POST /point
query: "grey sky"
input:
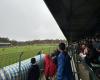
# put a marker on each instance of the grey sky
(27, 20)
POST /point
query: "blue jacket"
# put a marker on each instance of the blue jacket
(64, 71)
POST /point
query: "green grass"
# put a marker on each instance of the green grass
(11, 55)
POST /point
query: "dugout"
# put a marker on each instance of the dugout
(3, 45)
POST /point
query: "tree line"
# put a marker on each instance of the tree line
(14, 42)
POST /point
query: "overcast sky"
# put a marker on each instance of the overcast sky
(27, 20)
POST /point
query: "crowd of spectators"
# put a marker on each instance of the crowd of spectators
(58, 63)
(89, 52)
(56, 66)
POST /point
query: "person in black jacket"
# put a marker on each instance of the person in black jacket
(34, 71)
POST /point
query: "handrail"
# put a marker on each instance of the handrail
(76, 61)
(11, 72)
(91, 72)
(75, 73)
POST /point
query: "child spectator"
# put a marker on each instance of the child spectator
(34, 71)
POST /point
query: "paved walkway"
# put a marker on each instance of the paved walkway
(84, 74)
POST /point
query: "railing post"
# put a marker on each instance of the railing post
(39, 53)
(40, 65)
(20, 56)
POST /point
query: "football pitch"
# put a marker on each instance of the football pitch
(11, 55)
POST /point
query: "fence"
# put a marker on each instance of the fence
(16, 68)
(19, 71)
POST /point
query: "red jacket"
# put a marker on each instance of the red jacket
(49, 67)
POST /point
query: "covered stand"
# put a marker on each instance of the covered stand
(76, 18)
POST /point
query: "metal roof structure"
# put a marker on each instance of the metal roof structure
(76, 18)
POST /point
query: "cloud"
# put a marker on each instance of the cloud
(27, 20)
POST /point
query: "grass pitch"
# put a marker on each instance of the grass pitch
(10, 55)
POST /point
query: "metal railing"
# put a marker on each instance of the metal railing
(19, 71)
(77, 62)
(15, 65)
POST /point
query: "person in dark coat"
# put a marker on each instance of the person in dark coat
(64, 71)
(34, 71)
(55, 56)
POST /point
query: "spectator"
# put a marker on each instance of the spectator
(96, 45)
(64, 71)
(55, 56)
(34, 71)
(90, 54)
(49, 68)
(83, 51)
